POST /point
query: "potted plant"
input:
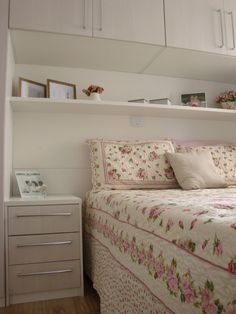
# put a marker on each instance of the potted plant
(95, 91)
(227, 100)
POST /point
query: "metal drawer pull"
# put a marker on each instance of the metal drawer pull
(221, 28)
(42, 215)
(43, 244)
(232, 25)
(52, 272)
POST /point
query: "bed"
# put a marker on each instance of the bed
(151, 247)
(162, 251)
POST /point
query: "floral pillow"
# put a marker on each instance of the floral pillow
(224, 157)
(131, 165)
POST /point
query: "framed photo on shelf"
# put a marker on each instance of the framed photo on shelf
(28, 88)
(194, 100)
(61, 90)
(30, 184)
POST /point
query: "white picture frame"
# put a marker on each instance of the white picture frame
(30, 184)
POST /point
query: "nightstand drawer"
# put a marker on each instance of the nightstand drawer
(43, 219)
(43, 248)
(44, 277)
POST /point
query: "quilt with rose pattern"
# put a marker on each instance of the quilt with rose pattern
(181, 245)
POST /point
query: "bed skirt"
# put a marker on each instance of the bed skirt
(119, 290)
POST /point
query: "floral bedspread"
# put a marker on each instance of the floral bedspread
(180, 244)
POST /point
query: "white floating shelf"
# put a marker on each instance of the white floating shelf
(46, 105)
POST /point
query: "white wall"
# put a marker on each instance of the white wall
(123, 86)
(55, 145)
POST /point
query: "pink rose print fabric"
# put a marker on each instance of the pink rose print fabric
(180, 245)
(131, 165)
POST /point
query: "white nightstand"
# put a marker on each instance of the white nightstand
(44, 257)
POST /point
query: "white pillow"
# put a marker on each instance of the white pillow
(195, 170)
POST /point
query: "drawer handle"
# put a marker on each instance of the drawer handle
(52, 272)
(42, 215)
(43, 244)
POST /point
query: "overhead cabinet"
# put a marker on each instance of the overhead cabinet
(60, 16)
(205, 25)
(131, 20)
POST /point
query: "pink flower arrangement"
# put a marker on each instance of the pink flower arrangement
(93, 89)
(225, 97)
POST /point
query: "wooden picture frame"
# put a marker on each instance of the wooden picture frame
(60, 90)
(29, 88)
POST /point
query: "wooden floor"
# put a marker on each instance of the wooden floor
(89, 304)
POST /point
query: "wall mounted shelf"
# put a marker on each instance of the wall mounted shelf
(45, 105)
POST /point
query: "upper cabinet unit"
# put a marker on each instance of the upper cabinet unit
(206, 25)
(130, 20)
(196, 24)
(59, 16)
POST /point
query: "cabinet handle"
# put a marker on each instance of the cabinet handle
(84, 14)
(52, 272)
(221, 28)
(101, 15)
(43, 244)
(232, 25)
(42, 215)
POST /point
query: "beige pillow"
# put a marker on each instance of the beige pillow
(224, 157)
(195, 170)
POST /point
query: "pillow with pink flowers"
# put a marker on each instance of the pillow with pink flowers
(131, 164)
(224, 157)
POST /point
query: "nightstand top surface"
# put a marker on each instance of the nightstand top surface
(49, 199)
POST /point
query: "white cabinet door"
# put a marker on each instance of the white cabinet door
(131, 20)
(195, 24)
(230, 26)
(60, 16)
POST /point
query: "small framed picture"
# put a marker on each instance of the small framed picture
(30, 184)
(61, 90)
(194, 100)
(28, 88)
